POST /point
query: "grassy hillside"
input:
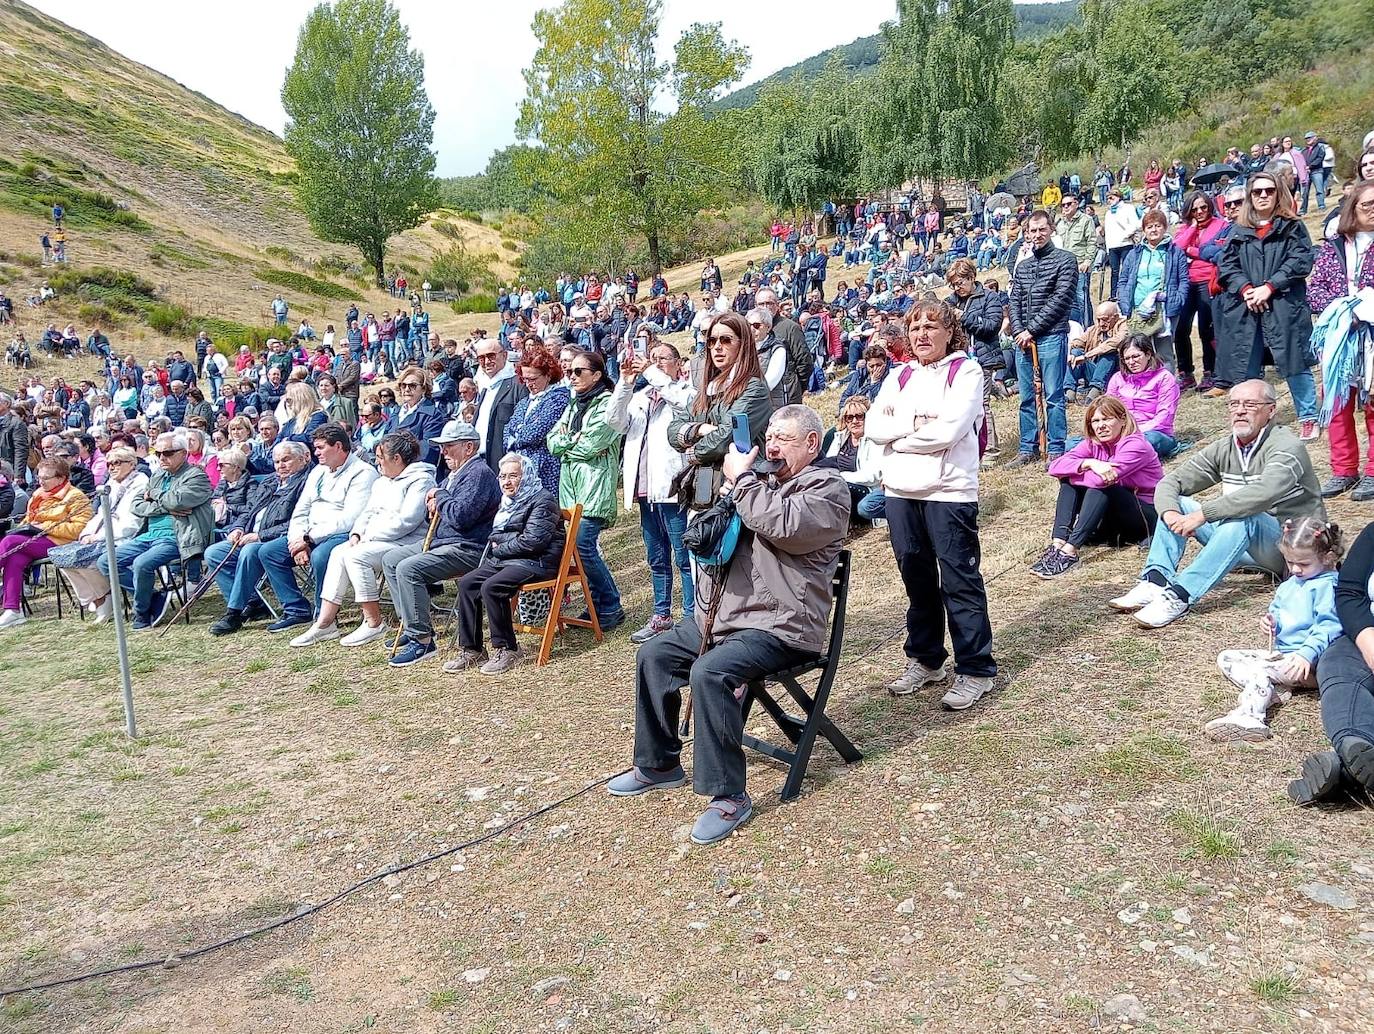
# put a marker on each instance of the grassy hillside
(162, 183)
(863, 54)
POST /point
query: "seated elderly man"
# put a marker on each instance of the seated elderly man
(466, 501)
(335, 493)
(773, 614)
(1094, 354)
(178, 522)
(267, 518)
(1266, 477)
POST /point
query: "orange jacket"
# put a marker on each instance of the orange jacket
(60, 514)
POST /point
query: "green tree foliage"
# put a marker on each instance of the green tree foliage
(1137, 77)
(932, 109)
(360, 126)
(615, 160)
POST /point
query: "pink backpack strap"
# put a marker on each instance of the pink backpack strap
(953, 370)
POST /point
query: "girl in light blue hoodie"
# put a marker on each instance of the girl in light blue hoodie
(1301, 623)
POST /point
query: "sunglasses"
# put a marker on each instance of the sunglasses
(1263, 191)
(756, 326)
(167, 452)
(578, 371)
(1199, 208)
(409, 386)
(723, 339)
(851, 417)
(1230, 204)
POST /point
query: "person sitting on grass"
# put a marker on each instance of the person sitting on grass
(855, 456)
(1106, 488)
(526, 545)
(1265, 475)
(394, 516)
(1300, 624)
(1149, 391)
(1345, 679)
(866, 380)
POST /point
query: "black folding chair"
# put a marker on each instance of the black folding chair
(802, 732)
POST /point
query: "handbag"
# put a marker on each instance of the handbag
(533, 607)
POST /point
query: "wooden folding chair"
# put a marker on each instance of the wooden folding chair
(569, 572)
(802, 731)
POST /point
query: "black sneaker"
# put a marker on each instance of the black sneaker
(256, 611)
(1023, 459)
(230, 623)
(1338, 483)
(1364, 491)
(1056, 565)
(1038, 568)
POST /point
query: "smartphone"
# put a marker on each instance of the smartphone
(739, 429)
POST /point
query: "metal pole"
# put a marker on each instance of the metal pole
(117, 610)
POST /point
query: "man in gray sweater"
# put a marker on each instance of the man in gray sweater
(1266, 478)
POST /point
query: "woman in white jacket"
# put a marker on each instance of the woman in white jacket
(1120, 231)
(926, 418)
(396, 514)
(76, 560)
(650, 466)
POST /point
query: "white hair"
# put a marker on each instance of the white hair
(806, 419)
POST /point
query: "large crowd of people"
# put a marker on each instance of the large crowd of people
(384, 461)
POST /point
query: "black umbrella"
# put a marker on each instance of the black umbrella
(1211, 174)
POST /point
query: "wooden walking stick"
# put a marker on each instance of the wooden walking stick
(200, 589)
(1038, 384)
(395, 644)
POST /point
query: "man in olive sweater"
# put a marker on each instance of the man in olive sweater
(1266, 477)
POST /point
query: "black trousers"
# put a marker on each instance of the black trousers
(938, 556)
(1197, 302)
(1347, 692)
(668, 662)
(491, 587)
(1113, 515)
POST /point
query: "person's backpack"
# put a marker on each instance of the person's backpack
(905, 375)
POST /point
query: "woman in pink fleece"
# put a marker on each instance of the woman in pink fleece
(1106, 488)
(1148, 391)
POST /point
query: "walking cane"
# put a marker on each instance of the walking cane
(395, 644)
(201, 588)
(1039, 385)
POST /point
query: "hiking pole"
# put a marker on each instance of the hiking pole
(395, 644)
(1038, 384)
(200, 589)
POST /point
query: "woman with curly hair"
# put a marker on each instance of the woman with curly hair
(537, 414)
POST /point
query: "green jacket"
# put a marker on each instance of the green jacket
(1275, 478)
(187, 489)
(1078, 237)
(590, 471)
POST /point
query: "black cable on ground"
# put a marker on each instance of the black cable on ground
(309, 910)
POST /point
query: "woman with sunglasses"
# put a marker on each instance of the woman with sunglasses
(856, 458)
(1344, 267)
(588, 446)
(731, 383)
(1263, 301)
(418, 413)
(1200, 228)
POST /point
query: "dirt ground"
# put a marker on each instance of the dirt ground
(1020, 867)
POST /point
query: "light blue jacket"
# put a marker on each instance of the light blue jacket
(1304, 613)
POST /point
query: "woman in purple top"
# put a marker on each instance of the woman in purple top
(1106, 488)
(1148, 391)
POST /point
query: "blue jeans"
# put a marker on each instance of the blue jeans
(1164, 445)
(138, 562)
(1053, 349)
(1243, 542)
(1082, 310)
(1302, 385)
(873, 506)
(1316, 181)
(662, 525)
(1099, 370)
(281, 572)
(605, 595)
(238, 579)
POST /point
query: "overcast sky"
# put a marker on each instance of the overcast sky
(237, 52)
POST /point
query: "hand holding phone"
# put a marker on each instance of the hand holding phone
(739, 432)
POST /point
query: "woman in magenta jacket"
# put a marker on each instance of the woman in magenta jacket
(1148, 391)
(1106, 488)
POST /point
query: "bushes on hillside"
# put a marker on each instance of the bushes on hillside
(305, 284)
(475, 303)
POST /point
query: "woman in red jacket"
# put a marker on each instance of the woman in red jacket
(1199, 228)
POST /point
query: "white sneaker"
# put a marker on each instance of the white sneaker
(364, 634)
(880, 522)
(104, 611)
(915, 676)
(11, 618)
(1143, 594)
(1165, 610)
(966, 691)
(315, 634)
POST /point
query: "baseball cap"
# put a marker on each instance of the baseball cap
(457, 431)
(1309, 135)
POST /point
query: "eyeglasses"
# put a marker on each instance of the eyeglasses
(1366, 206)
(1263, 191)
(723, 339)
(482, 357)
(1248, 405)
(167, 452)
